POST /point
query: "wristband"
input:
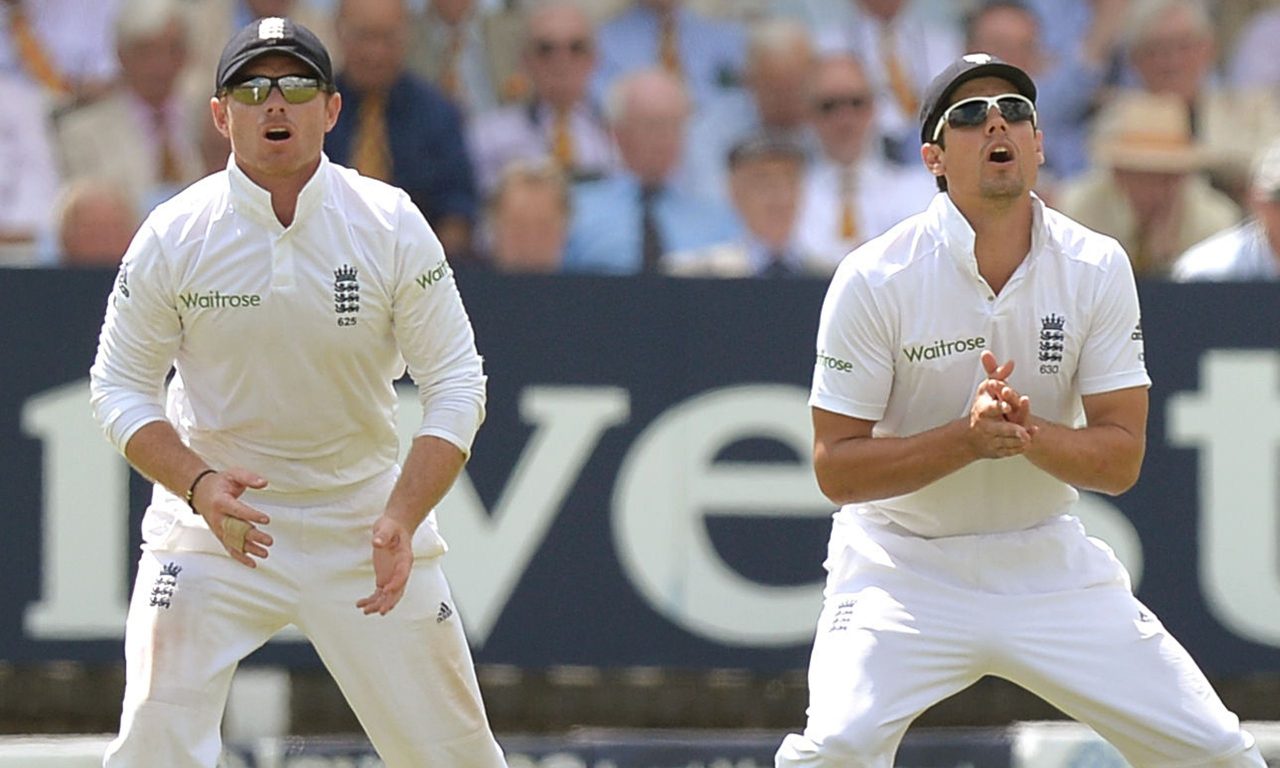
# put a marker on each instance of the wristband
(191, 492)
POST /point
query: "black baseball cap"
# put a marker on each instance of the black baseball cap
(273, 35)
(959, 72)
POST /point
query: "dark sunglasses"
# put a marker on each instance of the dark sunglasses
(1014, 108)
(577, 47)
(830, 104)
(294, 88)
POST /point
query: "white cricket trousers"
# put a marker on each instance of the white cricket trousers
(908, 621)
(408, 676)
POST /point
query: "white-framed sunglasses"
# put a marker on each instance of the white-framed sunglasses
(1014, 108)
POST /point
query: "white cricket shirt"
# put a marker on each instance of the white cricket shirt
(286, 341)
(907, 316)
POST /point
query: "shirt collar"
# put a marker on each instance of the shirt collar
(957, 237)
(255, 202)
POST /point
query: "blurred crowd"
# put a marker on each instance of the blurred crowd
(727, 138)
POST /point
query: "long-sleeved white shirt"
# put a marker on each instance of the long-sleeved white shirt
(286, 341)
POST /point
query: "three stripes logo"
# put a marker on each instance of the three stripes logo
(444, 613)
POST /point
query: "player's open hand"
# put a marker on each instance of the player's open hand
(217, 499)
(392, 562)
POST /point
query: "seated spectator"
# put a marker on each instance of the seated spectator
(398, 128)
(1250, 251)
(766, 182)
(558, 119)
(1172, 49)
(1148, 191)
(528, 218)
(705, 54)
(96, 221)
(779, 63)
(903, 46)
(140, 135)
(852, 193)
(67, 48)
(28, 171)
(454, 46)
(625, 223)
(1068, 88)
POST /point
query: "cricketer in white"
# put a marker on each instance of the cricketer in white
(954, 555)
(288, 293)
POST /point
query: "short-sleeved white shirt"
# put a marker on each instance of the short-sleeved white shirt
(906, 318)
(286, 341)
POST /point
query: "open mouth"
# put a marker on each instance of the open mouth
(278, 134)
(1000, 155)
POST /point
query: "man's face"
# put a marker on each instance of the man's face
(373, 36)
(1010, 34)
(560, 54)
(151, 64)
(994, 160)
(276, 139)
(650, 135)
(529, 229)
(1150, 193)
(766, 192)
(841, 108)
(1174, 56)
(777, 80)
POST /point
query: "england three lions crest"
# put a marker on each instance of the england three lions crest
(346, 294)
(1052, 342)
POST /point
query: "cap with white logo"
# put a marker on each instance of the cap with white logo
(959, 72)
(273, 35)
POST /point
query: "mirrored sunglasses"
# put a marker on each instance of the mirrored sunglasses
(1014, 108)
(294, 88)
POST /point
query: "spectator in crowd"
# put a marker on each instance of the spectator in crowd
(852, 193)
(903, 47)
(625, 223)
(141, 134)
(1172, 49)
(453, 46)
(528, 217)
(28, 171)
(398, 128)
(65, 47)
(96, 220)
(766, 183)
(1148, 191)
(218, 20)
(1251, 250)
(558, 120)
(705, 54)
(780, 60)
(1069, 86)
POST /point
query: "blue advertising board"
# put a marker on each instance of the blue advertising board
(640, 493)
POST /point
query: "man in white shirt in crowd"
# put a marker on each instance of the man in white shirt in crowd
(1250, 250)
(852, 193)
(289, 294)
(955, 555)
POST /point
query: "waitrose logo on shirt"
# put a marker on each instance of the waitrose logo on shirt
(219, 300)
(943, 348)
